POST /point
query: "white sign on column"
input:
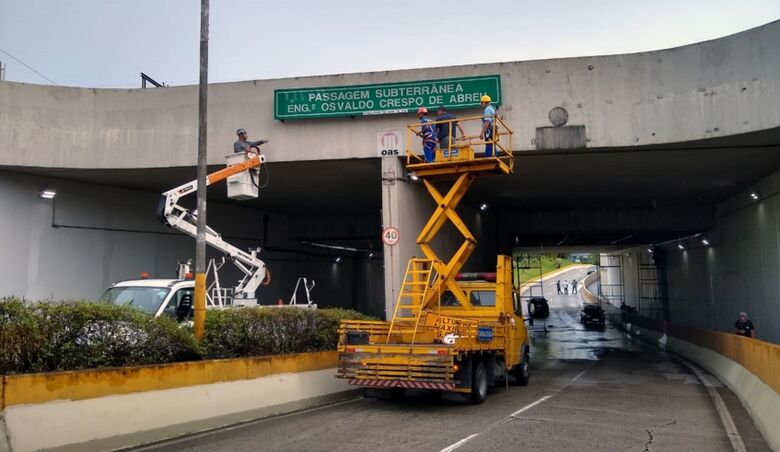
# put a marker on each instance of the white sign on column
(389, 144)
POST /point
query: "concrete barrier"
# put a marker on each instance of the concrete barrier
(748, 367)
(114, 408)
(585, 293)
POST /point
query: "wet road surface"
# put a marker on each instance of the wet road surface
(591, 389)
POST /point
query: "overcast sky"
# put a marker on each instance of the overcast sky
(107, 43)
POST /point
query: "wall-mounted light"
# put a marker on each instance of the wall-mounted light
(413, 177)
(338, 259)
(705, 242)
(680, 245)
(650, 250)
(47, 194)
(370, 255)
(483, 206)
(754, 195)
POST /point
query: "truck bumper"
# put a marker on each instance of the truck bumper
(399, 370)
(372, 383)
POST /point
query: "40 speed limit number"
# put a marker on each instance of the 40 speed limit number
(390, 236)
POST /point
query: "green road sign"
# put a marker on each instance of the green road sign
(384, 98)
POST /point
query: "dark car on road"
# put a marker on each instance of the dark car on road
(592, 314)
(538, 307)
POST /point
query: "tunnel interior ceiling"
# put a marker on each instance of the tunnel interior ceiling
(691, 176)
(696, 173)
(305, 187)
(589, 242)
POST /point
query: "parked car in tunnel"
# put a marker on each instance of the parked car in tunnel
(538, 307)
(593, 314)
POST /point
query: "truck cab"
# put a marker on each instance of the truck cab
(158, 297)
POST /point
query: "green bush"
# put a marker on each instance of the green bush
(262, 331)
(45, 337)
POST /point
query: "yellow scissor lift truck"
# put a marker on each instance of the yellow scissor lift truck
(451, 331)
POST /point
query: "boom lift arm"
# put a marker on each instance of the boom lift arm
(170, 213)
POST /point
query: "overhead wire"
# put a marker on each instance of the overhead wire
(29, 67)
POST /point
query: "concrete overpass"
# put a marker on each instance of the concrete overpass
(658, 146)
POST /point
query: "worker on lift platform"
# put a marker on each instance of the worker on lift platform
(428, 135)
(242, 144)
(486, 134)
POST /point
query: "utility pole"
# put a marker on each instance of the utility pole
(200, 239)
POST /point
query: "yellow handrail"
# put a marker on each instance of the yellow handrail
(501, 140)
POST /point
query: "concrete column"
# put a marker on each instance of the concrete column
(405, 206)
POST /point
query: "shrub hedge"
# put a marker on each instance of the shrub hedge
(46, 337)
(232, 333)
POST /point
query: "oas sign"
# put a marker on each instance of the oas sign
(389, 144)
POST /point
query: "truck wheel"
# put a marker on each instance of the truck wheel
(479, 384)
(397, 393)
(523, 374)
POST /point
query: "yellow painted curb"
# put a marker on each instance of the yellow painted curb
(87, 384)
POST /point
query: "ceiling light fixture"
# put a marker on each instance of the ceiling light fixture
(47, 194)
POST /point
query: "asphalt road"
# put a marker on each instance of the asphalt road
(591, 389)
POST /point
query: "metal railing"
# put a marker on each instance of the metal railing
(461, 147)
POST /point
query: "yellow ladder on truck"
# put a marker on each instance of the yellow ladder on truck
(410, 303)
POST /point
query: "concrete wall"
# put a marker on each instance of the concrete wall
(119, 408)
(740, 271)
(715, 88)
(707, 286)
(108, 234)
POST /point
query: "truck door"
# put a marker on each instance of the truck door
(182, 297)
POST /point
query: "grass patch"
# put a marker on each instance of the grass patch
(527, 268)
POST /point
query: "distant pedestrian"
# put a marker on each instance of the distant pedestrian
(428, 135)
(243, 145)
(488, 115)
(573, 286)
(744, 327)
(444, 130)
(566, 288)
(558, 284)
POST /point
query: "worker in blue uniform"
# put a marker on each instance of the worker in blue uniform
(488, 126)
(428, 135)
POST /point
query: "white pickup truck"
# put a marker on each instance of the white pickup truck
(170, 297)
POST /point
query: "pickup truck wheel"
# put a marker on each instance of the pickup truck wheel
(479, 384)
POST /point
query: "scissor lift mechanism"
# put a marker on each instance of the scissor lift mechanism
(457, 162)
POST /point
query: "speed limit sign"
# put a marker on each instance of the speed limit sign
(390, 236)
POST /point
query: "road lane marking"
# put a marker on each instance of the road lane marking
(459, 443)
(720, 407)
(579, 375)
(529, 406)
